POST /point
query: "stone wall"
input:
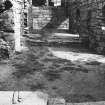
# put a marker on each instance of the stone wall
(86, 18)
(42, 18)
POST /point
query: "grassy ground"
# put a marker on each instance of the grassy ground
(39, 69)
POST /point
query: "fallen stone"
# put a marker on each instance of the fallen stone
(56, 101)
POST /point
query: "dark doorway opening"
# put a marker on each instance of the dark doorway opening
(103, 13)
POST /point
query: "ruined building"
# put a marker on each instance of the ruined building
(83, 17)
(87, 17)
(45, 17)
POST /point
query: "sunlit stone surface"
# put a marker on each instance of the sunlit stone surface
(27, 98)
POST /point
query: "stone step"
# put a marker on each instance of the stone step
(88, 103)
(53, 36)
(53, 39)
(52, 43)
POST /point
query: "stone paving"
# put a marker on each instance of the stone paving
(36, 98)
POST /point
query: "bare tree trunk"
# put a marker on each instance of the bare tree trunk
(17, 11)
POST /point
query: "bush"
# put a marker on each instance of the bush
(4, 50)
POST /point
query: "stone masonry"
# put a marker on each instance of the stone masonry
(87, 19)
(42, 18)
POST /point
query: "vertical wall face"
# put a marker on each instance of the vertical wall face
(47, 17)
(86, 17)
(91, 22)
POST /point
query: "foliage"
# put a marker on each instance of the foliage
(4, 49)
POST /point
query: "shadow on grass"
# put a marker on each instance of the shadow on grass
(52, 75)
(80, 98)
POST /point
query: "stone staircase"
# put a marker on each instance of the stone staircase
(54, 38)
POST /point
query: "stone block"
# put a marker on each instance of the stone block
(56, 101)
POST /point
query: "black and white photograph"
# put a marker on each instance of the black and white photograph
(52, 52)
